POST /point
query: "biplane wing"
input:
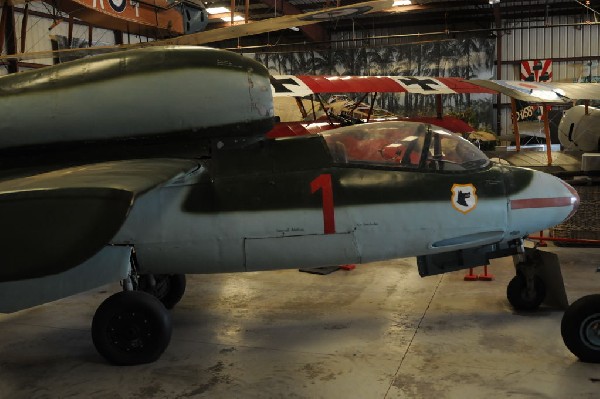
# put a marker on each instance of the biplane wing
(231, 32)
(304, 85)
(537, 92)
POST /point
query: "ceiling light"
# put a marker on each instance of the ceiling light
(235, 18)
(217, 10)
(402, 3)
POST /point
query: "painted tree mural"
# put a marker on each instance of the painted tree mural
(466, 58)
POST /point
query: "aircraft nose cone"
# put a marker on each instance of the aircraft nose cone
(574, 199)
(539, 202)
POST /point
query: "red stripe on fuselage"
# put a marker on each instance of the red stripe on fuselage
(540, 203)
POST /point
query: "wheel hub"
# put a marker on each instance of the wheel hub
(129, 331)
(590, 331)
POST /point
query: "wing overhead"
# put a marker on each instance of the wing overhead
(56, 220)
(303, 85)
(230, 32)
(275, 24)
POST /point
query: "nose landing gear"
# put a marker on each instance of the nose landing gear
(538, 279)
(526, 293)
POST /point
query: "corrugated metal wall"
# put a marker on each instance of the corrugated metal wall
(573, 47)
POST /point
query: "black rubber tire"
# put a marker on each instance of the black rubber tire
(516, 293)
(580, 328)
(168, 288)
(131, 327)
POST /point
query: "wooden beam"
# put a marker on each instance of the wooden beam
(8, 34)
(70, 32)
(24, 26)
(438, 106)
(2, 28)
(372, 105)
(118, 36)
(498, 25)
(315, 32)
(545, 112)
(515, 119)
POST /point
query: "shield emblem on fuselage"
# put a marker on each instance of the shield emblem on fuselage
(464, 197)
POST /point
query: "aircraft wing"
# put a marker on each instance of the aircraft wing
(230, 32)
(275, 24)
(303, 85)
(538, 92)
(55, 220)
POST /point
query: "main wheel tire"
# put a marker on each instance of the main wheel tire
(580, 328)
(168, 288)
(519, 297)
(131, 327)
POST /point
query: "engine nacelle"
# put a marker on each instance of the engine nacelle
(156, 93)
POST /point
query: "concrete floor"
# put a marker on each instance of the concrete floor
(379, 331)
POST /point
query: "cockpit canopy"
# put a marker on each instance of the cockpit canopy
(409, 145)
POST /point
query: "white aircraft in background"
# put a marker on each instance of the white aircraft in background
(579, 129)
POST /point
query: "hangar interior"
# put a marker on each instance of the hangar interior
(346, 318)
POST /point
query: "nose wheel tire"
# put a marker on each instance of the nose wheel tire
(168, 288)
(580, 328)
(521, 297)
(131, 327)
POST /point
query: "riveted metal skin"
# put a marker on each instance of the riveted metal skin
(285, 203)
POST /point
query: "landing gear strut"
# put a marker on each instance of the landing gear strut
(580, 328)
(538, 280)
(168, 288)
(526, 292)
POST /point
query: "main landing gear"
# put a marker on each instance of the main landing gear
(134, 326)
(131, 327)
(580, 328)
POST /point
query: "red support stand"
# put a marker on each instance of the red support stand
(471, 276)
(485, 276)
(542, 243)
(348, 267)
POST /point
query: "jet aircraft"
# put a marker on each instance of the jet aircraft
(127, 188)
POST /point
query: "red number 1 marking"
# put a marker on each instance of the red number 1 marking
(323, 183)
